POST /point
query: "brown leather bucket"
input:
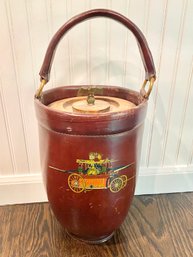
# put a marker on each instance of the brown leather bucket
(90, 161)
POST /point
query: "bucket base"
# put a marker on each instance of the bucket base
(99, 241)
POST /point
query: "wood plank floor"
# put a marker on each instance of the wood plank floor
(160, 225)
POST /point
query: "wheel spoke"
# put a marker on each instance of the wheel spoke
(76, 183)
(116, 185)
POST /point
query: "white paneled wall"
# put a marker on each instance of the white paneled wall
(100, 51)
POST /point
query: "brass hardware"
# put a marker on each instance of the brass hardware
(90, 92)
(90, 99)
(151, 82)
(39, 91)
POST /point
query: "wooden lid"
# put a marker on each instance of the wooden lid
(102, 104)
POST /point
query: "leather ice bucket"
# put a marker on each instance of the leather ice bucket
(90, 158)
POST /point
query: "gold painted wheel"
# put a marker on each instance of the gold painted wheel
(116, 185)
(76, 183)
(124, 178)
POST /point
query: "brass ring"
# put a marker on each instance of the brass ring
(151, 82)
(39, 91)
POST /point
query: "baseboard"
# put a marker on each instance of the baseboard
(29, 188)
(165, 180)
(20, 189)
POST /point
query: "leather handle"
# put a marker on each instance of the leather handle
(142, 43)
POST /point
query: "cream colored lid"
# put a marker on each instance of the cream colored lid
(102, 104)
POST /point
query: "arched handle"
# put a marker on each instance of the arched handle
(145, 52)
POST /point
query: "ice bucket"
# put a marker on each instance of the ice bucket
(90, 141)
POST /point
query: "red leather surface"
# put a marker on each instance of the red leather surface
(93, 213)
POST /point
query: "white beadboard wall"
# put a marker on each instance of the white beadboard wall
(100, 51)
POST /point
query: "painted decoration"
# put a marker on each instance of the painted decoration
(96, 173)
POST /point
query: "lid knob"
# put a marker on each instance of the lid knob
(90, 99)
(90, 92)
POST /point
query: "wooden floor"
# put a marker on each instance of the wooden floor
(159, 225)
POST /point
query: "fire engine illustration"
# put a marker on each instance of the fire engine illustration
(96, 173)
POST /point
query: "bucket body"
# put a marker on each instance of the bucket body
(90, 162)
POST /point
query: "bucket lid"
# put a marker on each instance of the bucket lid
(92, 105)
